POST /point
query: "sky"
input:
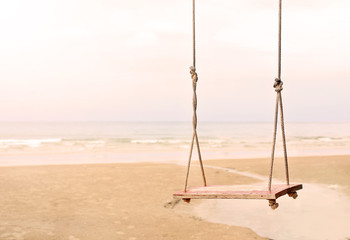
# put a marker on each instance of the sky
(113, 60)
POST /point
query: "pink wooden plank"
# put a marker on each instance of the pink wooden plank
(229, 192)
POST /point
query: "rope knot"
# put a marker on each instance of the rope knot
(194, 75)
(278, 85)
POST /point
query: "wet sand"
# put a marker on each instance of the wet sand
(320, 212)
(133, 201)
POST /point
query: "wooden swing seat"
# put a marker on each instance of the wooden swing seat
(237, 192)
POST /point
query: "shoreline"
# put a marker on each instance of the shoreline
(71, 160)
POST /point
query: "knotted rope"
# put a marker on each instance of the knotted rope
(278, 88)
(278, 85)
(194, 77)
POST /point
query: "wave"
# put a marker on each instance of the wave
(160, 143)
(144, 141)
(27, 142)
(178, 141)
(322, 138)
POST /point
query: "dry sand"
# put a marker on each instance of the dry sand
(129, 201)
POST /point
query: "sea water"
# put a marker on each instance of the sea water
(320, 212)
(103, 142)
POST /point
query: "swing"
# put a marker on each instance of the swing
(271, 192)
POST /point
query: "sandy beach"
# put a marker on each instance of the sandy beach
(104, 102)
(133, 201)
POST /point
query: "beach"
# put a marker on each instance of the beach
(134, 200)
(104, 103)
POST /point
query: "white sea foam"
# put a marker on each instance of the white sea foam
(144, 141)
(27, 142)
(160, 141)
(93, 144)
(98, 142)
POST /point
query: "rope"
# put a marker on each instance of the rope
(194, 77)
(279, 39)
(278, 88)
(194, 34)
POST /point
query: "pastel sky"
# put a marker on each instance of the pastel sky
(114, 60)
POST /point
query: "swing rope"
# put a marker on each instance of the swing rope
(194, 77)
(278, 88)
(279, 106)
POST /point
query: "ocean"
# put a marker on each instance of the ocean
(107, 142)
